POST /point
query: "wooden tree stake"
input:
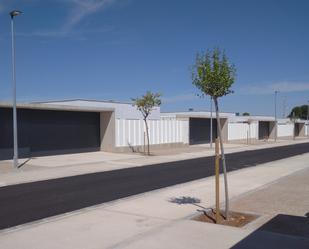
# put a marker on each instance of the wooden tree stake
(217, 171)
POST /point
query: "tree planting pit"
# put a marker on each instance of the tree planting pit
(235, 219)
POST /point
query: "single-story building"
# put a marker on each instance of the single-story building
(70, 126)
(52, 129)
(199, 125)
(252, 127)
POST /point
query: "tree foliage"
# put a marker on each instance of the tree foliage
(300, 112)
(145, 105)
(147, 102)
(246, 114)
(212, 73)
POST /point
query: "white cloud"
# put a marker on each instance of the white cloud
(284, 86)
(78, 10)
(83, 8)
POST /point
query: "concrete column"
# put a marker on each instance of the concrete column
(272, 129)
(224, 129)
(108, 131)
(302, 127)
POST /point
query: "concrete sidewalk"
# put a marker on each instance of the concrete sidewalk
(50, 167)
(155, 220)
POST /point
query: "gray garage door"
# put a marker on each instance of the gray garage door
(264, 129)
(43, 132)
(199, 131)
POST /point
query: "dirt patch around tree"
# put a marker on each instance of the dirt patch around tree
(235, 219)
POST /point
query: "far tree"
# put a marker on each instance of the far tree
(300, 112)
(145, 105)
(246, 114)
(214, 75)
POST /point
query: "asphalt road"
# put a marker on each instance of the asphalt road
(29, 202)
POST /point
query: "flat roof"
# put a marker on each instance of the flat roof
(54, 107)
(252, 118)
(196, 114)
(86, 100)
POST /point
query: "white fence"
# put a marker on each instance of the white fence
(241, 131)
(132, 132)
(171, 130)
(285, 130)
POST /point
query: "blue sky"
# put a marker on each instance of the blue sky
(118, 49)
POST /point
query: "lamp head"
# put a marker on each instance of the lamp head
(15, 13)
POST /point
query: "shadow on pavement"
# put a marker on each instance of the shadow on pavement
(283, 231)
(184, 200)
(24, 163)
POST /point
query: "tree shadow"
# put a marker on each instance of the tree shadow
(24, 163)
(184, 200)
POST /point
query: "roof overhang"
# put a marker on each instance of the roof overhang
(193, 115)
(53, 107)
(300, 121)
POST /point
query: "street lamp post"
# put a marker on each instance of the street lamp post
(276, 123)
(211, 138)
(308, 118)
(15, 140)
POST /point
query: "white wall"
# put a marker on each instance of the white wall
(130, 132)
(241, 131)
(286, 130)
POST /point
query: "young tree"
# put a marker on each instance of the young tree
(145, 105)
(214, 75)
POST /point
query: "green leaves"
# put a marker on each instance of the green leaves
(212, 73)
(300, 112)
(147, 102)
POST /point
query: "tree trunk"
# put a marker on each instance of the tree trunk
(147, 134)
(222, 158)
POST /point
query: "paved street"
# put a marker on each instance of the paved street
(58, 166)
(153, 220)
(33, 201)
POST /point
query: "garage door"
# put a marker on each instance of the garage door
(199, 130)
(264, 130)
(43, 132)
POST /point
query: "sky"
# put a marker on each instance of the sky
(119, 49)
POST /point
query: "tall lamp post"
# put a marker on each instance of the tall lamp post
(276, 123)
(15, 157)
(211, 138)
(308, 118)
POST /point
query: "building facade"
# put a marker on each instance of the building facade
(72, 126)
